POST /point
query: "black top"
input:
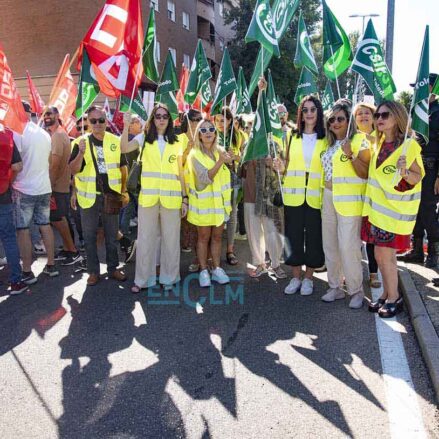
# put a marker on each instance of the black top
(5, 198)
(431, 148)
(98, 152)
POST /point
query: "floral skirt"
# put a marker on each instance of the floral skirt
(381, 238)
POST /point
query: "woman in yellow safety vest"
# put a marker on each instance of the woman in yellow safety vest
(392, 199)
(345, 164)
(363, 116)
(209, 198)
(302, 193)
(162, 199)
(232, 141)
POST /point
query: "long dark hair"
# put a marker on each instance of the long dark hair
(229, 116)
(150, 130)
(320, 123)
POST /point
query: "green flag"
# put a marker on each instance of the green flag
(327, 97)
(276, 127)
(421, 92)
(306, 86)
(283, 11)
(369, 62)
(435, 90)
(88, 88)
(337, 54)
(150, 50)
(242, 96)
(206, 94)
(168, 80)
(137, 106)
(257, 145)
(225, 84)
(200, 73)
(304, 54)
(262, 28)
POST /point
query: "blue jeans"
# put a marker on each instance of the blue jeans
(9, 241)
(126, 214)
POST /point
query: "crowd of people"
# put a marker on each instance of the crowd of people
(332, 182)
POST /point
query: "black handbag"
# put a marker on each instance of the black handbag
(135, 174)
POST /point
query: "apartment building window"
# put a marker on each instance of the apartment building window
(173, 54)
(154, 4)
(171, 10)
(186, 20)
(157, 51)
(187, 60)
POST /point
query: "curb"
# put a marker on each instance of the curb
(424, 329)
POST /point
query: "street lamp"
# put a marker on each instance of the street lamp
(363, 16)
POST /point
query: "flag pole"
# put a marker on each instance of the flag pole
(135, 80)
(336, 76)
(354, 102)
(224, 116)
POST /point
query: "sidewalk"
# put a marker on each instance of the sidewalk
(422, 300)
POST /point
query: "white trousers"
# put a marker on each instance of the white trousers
(262, 236)
(342, 246)
(158, 227)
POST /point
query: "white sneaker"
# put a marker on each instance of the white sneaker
(307, 287)
(356, 300)
(333, 294)
(3, 261)
(204, 278)
(220, 276)
(294, 286)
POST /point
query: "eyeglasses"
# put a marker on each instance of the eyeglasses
(95, 121)
(207, 130)
(198, 119)
(339, 119)
(306, 110)
(161, 116)
(282, 113)
(384, 115)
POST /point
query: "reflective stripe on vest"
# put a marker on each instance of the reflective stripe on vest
(347, 188)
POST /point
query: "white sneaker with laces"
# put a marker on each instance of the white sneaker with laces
(294, 286)
(333, 294)
(307, 287)
(220, 276)
(204, 278)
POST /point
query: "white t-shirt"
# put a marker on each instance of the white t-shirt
(140, 138)
(35, 147)
(309, 143)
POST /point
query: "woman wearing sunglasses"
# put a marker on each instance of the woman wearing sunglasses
(232, 141)
(302, 195)
(363, 116)
(392, 199)
(345, 165)
(209, 198)
(162, 200)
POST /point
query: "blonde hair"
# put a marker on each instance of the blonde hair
(341, 106)
(197, 141)
(357, 107)
(401, 118)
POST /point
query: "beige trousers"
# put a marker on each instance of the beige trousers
(262, 236)
(157, 226)
(342, 246)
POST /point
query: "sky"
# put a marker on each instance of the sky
(411, 17)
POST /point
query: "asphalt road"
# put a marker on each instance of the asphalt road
(239, 361)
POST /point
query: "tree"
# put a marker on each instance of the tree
(405, 98)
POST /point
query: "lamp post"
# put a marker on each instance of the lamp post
(363, 16)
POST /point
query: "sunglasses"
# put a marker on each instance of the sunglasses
(95, 121)
(79, 127)
(207, 130)
(384, 115)
(339, 119)
(161, 116)
(311, 110)
(197, 119)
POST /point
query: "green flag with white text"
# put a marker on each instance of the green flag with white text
(137, 106)
(369, 62)
(307, 85)
(421, 92)
(257, 145)
(327, 97)
(168, 80)
(304, 53)
(242, 96)
(199, 74)
(206, 94)
(225, 84)
(88, 87)
(276, 126)
(150, 50)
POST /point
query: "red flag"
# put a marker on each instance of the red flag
(184, 78)
(35, 100)
(12, 113)
(64, 92)
(114, 44)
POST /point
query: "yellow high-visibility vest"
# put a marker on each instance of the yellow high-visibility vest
(85, 181)
(160, 179)
(209, 206)
(295, 187)
(347, 188)
(386, 207)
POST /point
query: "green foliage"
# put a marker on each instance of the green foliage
(405, 98)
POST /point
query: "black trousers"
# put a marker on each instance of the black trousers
(427, 218)
(303, 236)
(372, 262)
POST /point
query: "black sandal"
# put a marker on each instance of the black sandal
(375, 306)
(389, 310)
(231, 258)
